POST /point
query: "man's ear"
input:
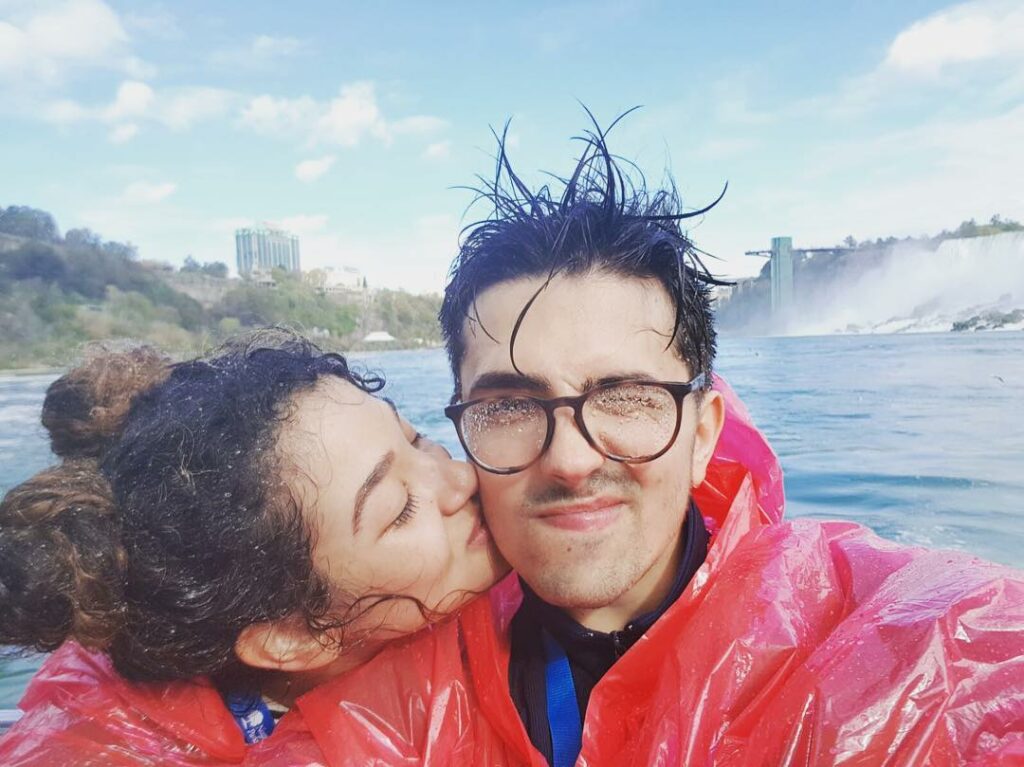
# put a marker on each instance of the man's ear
(710, 420)
(284, 645)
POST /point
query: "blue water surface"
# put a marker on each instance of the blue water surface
(920, 437)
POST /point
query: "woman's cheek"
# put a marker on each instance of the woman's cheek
(434, 553)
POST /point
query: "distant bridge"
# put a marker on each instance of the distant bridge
(781, 258)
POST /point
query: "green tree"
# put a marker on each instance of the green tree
(33, 260)
(123, 250)
(23, 221)
(84, 238)
(216, 269)
(210, 269)
(967, 229)
(291, 302)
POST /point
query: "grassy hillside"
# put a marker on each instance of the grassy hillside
(57, 293)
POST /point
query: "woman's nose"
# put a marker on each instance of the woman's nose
(458, 484)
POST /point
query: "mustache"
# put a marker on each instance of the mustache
(605, 482)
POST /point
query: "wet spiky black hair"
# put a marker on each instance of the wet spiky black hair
(605, 219)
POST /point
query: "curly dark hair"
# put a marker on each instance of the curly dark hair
(167, 529)
(605, 219)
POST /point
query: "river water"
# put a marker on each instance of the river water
(919, 436)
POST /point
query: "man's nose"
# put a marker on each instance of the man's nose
(457, 484)
(570, 458)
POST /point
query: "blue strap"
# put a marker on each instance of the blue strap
(563, 710)
(252, 716)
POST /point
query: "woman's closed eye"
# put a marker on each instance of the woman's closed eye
(406, 514)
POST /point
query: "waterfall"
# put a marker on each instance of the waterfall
(977, 282)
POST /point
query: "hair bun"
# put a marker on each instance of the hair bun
(61, 560)
(84, 409)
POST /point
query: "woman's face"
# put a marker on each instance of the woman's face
(394, 514)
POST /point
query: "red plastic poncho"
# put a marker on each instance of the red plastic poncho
(802, 643)
(79, 712)
(795, 644)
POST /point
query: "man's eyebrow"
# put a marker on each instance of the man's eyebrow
(519, 381)
(612, 378)
(372, 480)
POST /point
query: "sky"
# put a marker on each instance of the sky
(354, 125)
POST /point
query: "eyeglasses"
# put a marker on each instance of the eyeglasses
(626, 421)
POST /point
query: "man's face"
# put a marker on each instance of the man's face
(586, 532)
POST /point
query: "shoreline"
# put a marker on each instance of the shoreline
(868, 333)
(32, 371)
(55, 370)
(361, 350)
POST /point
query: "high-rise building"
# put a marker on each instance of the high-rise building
(263, 249)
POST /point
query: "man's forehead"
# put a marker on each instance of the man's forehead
(578, 330)
(573, 300)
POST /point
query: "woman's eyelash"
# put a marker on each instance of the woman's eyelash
(407, 512)
(412, 503)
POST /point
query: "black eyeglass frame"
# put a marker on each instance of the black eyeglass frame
(678, 390)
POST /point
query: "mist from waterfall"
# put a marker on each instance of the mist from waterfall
(911, 288)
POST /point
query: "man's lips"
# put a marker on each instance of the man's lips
(587, 516)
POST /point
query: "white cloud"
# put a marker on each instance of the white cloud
(970, 32)
(272, 116)
(181, 108)
(133, 99)
(976, 46)
(909, 182)
(229, 225)
(174, 108)
(163, 232)
(260, 52)
(439, 150)
(731, 105)
(417, 124)
(303, 223)
(873, 182)
(65, 111)
(145, 193)
(350, 116)
(725, 148)
(76, 30)
(414, 257)
(310, 170)
(271, 47)
(137, 69)
(50, 42)
(122, 134)
(156, 21)
(346, 120)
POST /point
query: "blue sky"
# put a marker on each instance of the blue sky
(349, 123)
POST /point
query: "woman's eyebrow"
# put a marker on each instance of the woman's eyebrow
(372, 480)
(395, 413)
